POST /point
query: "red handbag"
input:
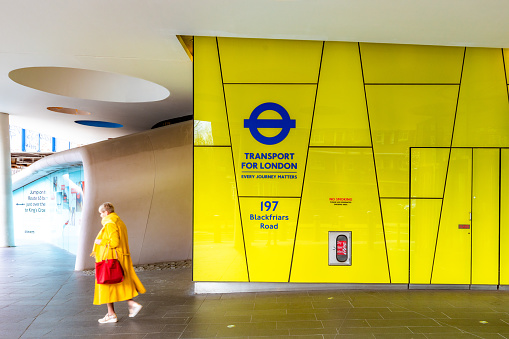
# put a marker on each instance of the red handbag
(109, 271)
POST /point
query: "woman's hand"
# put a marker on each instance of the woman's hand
(92, 254)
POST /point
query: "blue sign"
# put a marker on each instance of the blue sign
(285, 123)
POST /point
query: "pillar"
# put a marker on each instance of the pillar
(6, 216)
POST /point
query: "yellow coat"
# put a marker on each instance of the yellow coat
(114, 234)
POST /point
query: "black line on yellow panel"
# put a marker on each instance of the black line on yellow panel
(306, 163)
(409, 195)
(499, 207)
(423, 198)
(270, 83)
(409, 208)
(212, 146)
(340, 147)
(267, 197)
(505, 74)
(448, 163)
(471, 212)
(440, 216)
(374, 162)
(192, 193)
(458, 98)
(410, 84)
(233, 161)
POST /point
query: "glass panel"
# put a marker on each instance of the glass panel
(269, 228)
(423, 237)
(453, 252)
(49, 209)
(340, 194)
(504, 218)
(429, 167)
(264, 168)
(403, 117)
(269, 61)
(211, 127)
(395, 215)
(341, 118)
(218, 242)
(485, 217)
(483, 113)
(397, 64)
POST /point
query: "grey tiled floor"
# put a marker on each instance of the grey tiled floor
(41, 297)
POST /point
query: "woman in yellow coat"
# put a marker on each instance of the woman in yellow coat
(113, 238)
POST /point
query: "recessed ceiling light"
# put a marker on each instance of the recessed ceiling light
(95, 123)
(66, 110)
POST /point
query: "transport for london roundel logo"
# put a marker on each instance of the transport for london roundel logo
(254, 124)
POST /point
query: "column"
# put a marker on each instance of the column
(6, 216)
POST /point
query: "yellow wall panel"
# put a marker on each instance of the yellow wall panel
(483, 112)
(485, 217)
(269, 61)
(218, 240)
(298, 101)
(210, 125)
(407, 116)
(453, 253)
(504, 218)
(334, 92)
(340, 116)
(340, 174)
(397, 64)
(269, 228)
(429, 167)
(424, 218)
(395, 216)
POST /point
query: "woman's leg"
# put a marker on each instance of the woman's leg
(111, 317)
(134, 308)
(111, 309)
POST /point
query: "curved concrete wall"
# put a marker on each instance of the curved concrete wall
(148, 178)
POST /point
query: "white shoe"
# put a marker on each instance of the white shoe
(108, 319)
(134, 310)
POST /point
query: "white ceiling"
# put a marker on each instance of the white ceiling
(138, 39)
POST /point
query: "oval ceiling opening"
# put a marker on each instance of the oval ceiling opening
(89, 84)
(98, 123)
(66, 110)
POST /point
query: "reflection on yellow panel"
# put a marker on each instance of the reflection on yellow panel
(504, 218)
(453, 252)
(279, 175)
(429, 166)
(483, 112)
(424, 218)
(396, 64)
(340, 174)
(485, 217)
(395, 215)
(407, 116)
(218, 242)
(210, 125)
(340, 115)
(269, 61)
(269, 229)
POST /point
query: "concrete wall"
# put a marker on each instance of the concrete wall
(148, 178)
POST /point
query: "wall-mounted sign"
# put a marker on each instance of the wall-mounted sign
(340, 201)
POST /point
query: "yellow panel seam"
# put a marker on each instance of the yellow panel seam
(233, 161)
(374, 164)
(305, 166)
(448, 164)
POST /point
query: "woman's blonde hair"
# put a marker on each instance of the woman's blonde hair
(107, 206)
